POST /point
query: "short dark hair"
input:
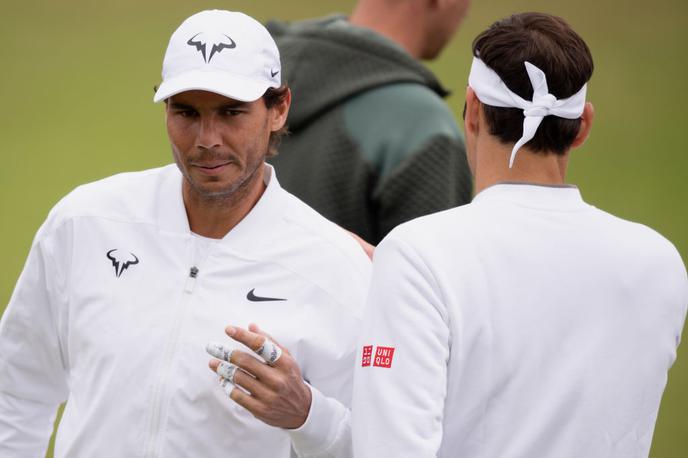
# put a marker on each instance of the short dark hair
(272, 97)
(550, 44)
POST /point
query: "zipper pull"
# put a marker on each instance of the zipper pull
(191, 280)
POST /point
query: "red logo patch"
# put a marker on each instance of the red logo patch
(367, 355)
(383, 357)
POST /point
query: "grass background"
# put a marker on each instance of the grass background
(77, 82)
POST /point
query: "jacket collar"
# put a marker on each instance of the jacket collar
(259, 222)
(547, 197)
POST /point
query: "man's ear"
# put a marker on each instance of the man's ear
(279, 112)
(471, 117)
(585, 126)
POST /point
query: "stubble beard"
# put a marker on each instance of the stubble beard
(228, 195)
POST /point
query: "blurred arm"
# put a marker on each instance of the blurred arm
(328, 365)
(32, 370)
(398, 410)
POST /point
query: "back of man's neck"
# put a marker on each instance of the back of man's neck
(392, 25)
(529, 167)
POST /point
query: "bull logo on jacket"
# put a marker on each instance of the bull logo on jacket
(121, 260)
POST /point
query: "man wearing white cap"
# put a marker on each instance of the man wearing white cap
(527, 323)
(131, 277)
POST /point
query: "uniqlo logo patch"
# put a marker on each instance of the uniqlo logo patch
(383, 357)
(367, 355)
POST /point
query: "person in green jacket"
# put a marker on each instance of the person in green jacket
(372, 143)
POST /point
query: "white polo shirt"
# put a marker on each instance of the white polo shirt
(117, 302)
(525, 324)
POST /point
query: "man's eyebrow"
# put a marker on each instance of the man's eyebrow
(225, 106)
(180, 106)
(233, 105)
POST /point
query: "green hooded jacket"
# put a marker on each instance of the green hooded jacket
(372, 144)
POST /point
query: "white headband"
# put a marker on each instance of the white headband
(491, 90)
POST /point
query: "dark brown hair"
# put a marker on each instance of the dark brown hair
(550, 44)
(273, 97)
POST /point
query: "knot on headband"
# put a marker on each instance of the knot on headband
(491, 90)
(541, 106)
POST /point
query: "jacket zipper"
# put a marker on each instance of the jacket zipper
(151, 449)
(191, 279)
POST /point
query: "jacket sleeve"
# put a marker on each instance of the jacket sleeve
(436, 177)
(327, 430)
(33, 379)
(328, 368)
(401, 371)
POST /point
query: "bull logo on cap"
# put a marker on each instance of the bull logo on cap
(200, 40)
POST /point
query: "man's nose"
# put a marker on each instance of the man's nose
(209, 135)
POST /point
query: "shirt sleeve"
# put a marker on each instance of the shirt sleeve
(328, 367)
(33, 379)
(401, 371)
(436, 177)
(327, 430)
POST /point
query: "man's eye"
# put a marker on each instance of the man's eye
(233, 112)
(186, 113)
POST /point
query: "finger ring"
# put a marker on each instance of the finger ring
(269, 351)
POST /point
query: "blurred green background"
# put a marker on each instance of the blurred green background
(77, 83)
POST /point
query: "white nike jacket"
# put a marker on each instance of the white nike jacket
(527, 324)
(117, 302)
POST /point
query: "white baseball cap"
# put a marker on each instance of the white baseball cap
(219, 51)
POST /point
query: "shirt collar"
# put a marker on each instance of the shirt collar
(172, 213)
(548, 197)
(262, 220)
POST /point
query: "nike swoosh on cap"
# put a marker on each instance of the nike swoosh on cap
(253, 298)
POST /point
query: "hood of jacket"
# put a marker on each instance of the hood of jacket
(326, 61)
